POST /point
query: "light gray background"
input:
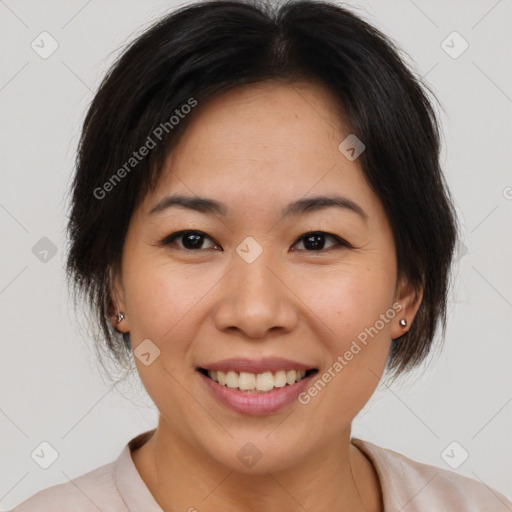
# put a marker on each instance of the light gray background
(52, 389)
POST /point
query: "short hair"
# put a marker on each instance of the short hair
(208, 47)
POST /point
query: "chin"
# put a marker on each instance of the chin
(257, 454)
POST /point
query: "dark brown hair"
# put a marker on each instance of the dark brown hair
(210, 47)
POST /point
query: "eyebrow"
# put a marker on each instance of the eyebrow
(300, 207)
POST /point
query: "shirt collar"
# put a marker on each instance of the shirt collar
(132, 488)
(138, 498)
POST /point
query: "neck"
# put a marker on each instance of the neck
(181, 477)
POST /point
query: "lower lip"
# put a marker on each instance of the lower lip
(256, 404)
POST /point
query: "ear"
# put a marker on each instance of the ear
(409, 298)
(117, 302)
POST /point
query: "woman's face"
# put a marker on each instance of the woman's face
(250, 293)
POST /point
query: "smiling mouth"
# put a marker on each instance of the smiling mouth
(257, 383)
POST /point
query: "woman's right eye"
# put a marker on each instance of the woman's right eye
(191, 240)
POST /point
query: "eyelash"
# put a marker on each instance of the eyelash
(340, 242)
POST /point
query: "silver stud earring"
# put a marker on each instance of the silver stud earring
(120, 317)
(403, 322)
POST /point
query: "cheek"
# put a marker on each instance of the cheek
(353, 302)
(357, 307)
(163, 306)
(161, 301)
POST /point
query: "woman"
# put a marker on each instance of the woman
(259, 216)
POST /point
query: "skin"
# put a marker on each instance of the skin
(256, 149)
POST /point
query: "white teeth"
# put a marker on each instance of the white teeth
(246, 381)
(263, 382)
(291, 375)
(280, 379)
(231, 379)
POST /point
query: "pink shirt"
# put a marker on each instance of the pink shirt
(407, 486)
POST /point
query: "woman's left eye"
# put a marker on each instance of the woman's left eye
(313, 241)
(316, 241)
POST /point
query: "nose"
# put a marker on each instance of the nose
(256, 300)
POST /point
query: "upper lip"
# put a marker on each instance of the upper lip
(270, 364)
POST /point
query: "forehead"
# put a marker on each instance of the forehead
(264, 143)
(270, 119)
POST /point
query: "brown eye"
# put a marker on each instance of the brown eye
(189, 240)
(315, 241)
